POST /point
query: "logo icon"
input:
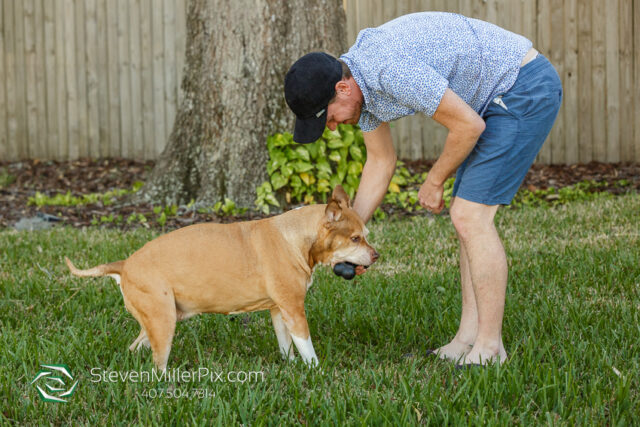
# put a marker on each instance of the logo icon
(52, 378)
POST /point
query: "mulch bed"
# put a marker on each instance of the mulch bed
(98, 176)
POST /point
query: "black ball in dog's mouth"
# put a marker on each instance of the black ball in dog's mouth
(345, 270)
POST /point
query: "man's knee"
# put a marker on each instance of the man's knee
(470, 218)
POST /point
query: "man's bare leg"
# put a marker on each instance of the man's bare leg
(466, 335)
(487, 264)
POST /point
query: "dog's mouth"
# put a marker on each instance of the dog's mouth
(348, 270)
(333, 264)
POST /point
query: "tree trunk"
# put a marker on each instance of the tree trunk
(237, 55)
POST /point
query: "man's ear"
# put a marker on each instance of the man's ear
(343, 87)
(340, 197)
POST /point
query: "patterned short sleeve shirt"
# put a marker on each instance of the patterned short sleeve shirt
(405, 65)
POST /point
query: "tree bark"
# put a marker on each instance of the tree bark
(237, 55)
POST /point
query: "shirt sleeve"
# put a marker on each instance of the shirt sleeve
(414, 85)
(368, 122)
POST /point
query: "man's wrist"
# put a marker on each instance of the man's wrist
(434, 179)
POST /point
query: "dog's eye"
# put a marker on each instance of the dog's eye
(355, 239)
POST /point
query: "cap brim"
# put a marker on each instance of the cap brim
(309, 130)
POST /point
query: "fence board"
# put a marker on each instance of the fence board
(82, 77)
(93, 118)
(147, 81)
(555, 52)
(70, 70)
(598, 96)
(636, 79)
(626, 79)
(22, 137)
(11, 81)
(4, 146)
(158, 74)
(169, 69)
(612, 72)
(180, 43)
(52, 139)
(137, 141)
(103, 78)
(62, 151)
(585, 129)
(113, 81)
(33, 69)
(124, 62)
(570, 79)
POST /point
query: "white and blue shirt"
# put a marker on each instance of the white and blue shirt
(405, 65)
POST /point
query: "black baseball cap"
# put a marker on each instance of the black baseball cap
(308, 87)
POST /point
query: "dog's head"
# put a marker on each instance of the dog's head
(342, 236)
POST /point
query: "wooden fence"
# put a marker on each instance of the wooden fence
(594, 45)
(101, 77)
(89, 77)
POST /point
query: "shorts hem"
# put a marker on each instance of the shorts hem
(484, 200)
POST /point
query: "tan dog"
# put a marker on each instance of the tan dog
(236, 268)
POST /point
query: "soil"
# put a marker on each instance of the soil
(98, 176)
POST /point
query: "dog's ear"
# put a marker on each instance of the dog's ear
(337, 203)
(333, 212)
(340, 197)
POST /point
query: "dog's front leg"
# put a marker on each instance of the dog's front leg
(305, 348)
(296, 321)
(282, 333)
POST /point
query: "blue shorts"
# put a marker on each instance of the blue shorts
(517, 124)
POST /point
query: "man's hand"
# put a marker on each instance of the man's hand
(431, 196)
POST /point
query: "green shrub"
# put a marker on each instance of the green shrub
(307, 173)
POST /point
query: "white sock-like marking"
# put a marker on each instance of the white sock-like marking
(283, 335)
(305, 348)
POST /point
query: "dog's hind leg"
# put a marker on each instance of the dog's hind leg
(154, 308)
(282, 333)
(141, 341)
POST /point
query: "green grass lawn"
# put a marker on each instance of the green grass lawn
(572, 328)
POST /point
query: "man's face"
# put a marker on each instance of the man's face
(346, 106)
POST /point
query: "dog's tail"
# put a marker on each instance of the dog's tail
(100, 270)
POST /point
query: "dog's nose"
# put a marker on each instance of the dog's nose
(375, 256)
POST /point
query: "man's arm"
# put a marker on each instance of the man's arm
(465, 127)
(377, 172)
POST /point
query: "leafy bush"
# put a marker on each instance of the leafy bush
(307, 172)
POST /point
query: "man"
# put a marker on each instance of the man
(497, 97)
